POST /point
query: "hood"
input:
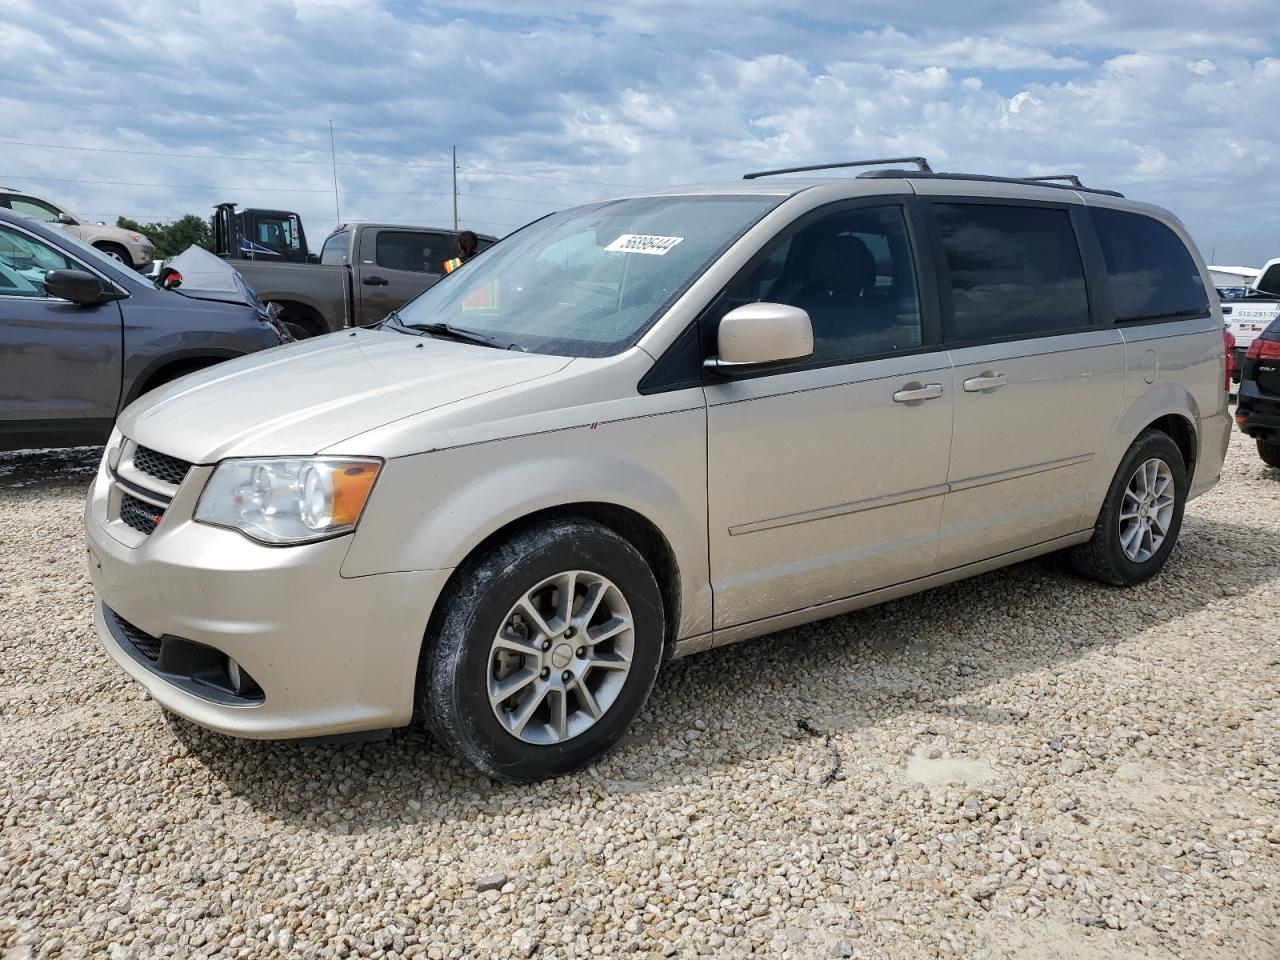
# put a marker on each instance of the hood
(304, 397)
(206, 277)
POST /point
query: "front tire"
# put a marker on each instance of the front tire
(1141, 516)
(1269, 451)
(116, 253)
(544, 651)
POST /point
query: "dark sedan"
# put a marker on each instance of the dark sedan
(81, 336)
(1258, 409)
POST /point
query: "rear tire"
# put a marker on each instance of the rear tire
(567, 617)
(1269, 451)
(1136, 529)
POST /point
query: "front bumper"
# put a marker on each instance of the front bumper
(330, 654)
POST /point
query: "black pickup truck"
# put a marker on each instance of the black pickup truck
(366, 270)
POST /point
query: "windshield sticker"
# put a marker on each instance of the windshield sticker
(641, 243)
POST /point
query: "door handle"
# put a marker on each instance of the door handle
(918, 391)
(987, 381)
(375, 281)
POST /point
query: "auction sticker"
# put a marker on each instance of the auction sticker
(642, 243)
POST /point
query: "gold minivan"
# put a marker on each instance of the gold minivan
(652, 425)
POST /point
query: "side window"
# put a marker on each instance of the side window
(276, 233)
(482, 244)
(1015, 271)
(334, 251)
(416, 252)
(853, 272)
(23, 262)
(1151, 272)
(35, 209)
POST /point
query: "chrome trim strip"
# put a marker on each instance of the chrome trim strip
(1016, 472)
(855, 506)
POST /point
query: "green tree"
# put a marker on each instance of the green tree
(172, 238)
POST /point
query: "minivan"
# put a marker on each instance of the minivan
(652, 425)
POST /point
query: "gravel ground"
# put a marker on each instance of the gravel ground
(1022, 765)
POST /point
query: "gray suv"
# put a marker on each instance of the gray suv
(652, 425)
(81, 335)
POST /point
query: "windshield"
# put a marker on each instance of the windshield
(588, 282)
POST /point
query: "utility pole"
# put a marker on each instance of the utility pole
(333, 156)
(455, 188)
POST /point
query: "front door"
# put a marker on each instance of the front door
(402, 265)
(825, 477)
(1038, 387)
(59, 363)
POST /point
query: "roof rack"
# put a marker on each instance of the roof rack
(921, 164)
(1039, 181)
(1071, 178)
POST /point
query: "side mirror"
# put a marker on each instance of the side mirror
(74, 285)
(66, 219)
(760, 335)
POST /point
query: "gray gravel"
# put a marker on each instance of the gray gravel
(1023, 765)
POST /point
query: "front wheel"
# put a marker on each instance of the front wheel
(1140, 519)
(1269, 451)
(544, 651)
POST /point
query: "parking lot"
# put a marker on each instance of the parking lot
(1022, 765)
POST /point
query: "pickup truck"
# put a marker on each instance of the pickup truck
(365, 271)
(1248, 316)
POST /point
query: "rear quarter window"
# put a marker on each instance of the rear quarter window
(1151, 273)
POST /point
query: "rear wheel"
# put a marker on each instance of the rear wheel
(1269, 451)
(1141, 517)
(544, 651)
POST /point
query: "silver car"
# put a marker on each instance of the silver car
(649, 426)
(129, 247)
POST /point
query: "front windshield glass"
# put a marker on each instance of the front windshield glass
(588, 282)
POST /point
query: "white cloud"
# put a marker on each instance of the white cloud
(1179, 108)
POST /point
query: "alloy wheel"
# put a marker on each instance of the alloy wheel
(560, 657)
(1146, 511)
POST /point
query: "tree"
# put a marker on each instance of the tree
(172, 238)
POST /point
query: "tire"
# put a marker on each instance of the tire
(1104, 556)
(1269, 451)
(462, 665)
(116, 253)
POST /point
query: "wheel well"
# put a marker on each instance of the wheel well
(1182, 433)
(633, 527)
(174, 370)
(308, 318)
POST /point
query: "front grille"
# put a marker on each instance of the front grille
(144, 643)
(139, 514)
(163, 467)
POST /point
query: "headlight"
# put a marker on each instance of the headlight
(289, 500)
(137, 238)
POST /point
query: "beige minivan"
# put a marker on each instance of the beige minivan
(648, 426)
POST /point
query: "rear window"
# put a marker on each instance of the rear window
(1015, 271)
(1152, 274)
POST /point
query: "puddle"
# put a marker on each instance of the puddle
(28, 468)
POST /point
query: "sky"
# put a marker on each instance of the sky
(155, 109)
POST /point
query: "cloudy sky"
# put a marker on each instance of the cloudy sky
(153, 109)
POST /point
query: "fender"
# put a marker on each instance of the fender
(430, 511)
(1161, 400)
(136, 380)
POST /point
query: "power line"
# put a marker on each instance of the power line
(345, 163)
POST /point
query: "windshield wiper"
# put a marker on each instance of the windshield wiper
(459, 333)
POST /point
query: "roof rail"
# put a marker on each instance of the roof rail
(1071, 178)
(987, 178)
(921, 163)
